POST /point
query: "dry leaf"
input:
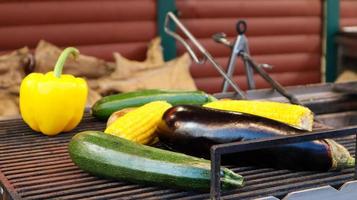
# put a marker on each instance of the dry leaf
(12, 69)
(93, 96)
(8, 104)
(174, 74)
(347, 76)
(125, 68)
(46, 55)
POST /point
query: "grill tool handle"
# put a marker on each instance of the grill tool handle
(241, 27)
(201, 49)
(276, 85)
(239, 46)
(221, 38)
(232, 61)
(271, 81)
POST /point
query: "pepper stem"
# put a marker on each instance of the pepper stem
(62, 59)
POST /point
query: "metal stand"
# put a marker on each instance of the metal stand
(239, 47)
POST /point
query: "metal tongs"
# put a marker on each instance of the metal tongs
(239, 49)
(206, 54)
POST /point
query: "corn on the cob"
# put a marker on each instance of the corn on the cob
(294, 115)
(140, 124)
(113, 117)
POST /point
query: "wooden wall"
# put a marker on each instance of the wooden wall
(348, 13)
(283, 33)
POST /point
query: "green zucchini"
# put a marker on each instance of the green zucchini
(104, 107)
(113, 157)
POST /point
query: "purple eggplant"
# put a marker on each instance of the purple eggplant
(193, 130)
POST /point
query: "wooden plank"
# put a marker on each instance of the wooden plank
(59, 12)
(248, 8)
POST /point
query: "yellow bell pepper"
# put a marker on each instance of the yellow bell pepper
(52, 103)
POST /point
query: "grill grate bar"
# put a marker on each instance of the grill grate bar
(82, 192)
(256, 171)
(282, 180)
(90, 186)
(100, 194)
(33, 147)
(147, 195)
(24, 180)
(45, 180)
(37, 141)
(65, 163)
(121, 192)
(128, 194)
(346, 143)
(180, 195)
(25, 163)
(11, 137)
(38, 173)
(273, 174)
(277, 176)
(60, 185)
(37, 151)
(33, 158)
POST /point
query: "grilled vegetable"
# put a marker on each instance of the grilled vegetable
(103, 108)
(294, 115)
(109, 156)
(194, 130)
(113, 117)
(140, 124)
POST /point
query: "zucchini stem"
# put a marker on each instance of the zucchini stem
(228, 183)
(231, 179)
(211, 98)
(62, 59)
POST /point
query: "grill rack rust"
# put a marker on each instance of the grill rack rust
(34, 166)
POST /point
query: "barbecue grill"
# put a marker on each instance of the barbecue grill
(34, 166)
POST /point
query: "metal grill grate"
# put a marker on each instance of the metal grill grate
(33, 166)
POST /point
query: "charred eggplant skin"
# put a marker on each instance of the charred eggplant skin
(194, 129)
